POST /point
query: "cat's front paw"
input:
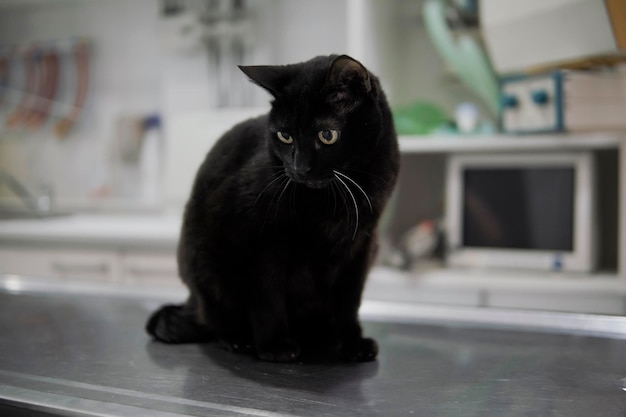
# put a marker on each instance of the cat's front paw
(235, 345)
(282, 351)
(360, 350)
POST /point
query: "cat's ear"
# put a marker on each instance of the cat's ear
(270, 77)
(347, 71)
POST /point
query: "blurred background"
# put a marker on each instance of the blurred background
(108, 107)
(176, 60)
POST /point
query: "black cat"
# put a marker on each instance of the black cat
(280, 230)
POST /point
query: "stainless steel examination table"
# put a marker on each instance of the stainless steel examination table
(84, 353)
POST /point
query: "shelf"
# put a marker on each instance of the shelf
(498, 142)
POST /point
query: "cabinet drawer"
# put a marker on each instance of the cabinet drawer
(60, 264)
(145, 268)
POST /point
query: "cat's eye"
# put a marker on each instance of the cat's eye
(328, 137)
(284, 137)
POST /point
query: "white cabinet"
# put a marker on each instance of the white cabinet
(148, 268)
(98, 265)
(92, 265)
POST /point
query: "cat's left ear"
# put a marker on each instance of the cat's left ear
(347, 71)
(271, 77)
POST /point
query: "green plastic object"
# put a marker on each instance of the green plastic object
(463, 54)
(419, 118)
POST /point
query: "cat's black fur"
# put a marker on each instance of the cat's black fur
(277, 237)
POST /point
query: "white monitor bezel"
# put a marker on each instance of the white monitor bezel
(583, 256)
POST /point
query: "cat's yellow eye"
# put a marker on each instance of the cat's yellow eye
(328, 137)
(284, 137)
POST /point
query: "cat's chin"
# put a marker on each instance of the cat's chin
(316, 184)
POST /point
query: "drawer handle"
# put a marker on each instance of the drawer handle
(98, 268)
(142, 272)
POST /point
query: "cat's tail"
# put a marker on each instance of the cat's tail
(177, 324)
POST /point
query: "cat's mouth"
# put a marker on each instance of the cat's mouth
(314, 183)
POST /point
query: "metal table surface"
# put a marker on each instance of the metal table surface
(87, 354)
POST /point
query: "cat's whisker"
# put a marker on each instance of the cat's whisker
(342, 194)
(356, 207)
(292, 202)
(280, 196)
(357, 186)
(369, 174)
(284, 189)
(344, 198)
(330, 191)
(274, 178)
(335, 190)
(281, 177)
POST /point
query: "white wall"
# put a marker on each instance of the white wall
(133, 74)
(124, 80)
(304, 29)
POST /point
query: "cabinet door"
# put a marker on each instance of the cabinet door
(88, 265)
(150, 268)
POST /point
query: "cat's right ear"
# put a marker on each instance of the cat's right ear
(270, 77)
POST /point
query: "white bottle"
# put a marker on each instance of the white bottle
(150, 162)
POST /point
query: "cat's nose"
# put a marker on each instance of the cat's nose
(299, 176)
(299, 173)
(301, 164)
(302, 170)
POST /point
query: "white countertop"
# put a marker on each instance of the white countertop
(591, 293)
(144, 230)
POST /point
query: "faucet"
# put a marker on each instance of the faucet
(41, 203)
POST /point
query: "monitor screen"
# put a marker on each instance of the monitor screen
(518, 208)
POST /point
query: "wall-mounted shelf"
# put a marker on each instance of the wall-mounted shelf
(499, 142)
(433, 147)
